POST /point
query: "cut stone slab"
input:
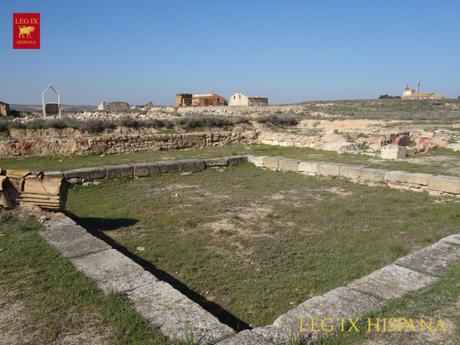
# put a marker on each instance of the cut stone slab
(246, 338)
(391, 281)
(170, 166)
(288, 164)
(216, 162)
(308, 167)
(174, 314)
(258, 161)
(145, 169)
(452, 239)
(418, 179)
(396, 177)
(237, 160)
(88, 174)
(117, 171)
(432, 260)
(70, 239)
(342, 302)
(372, 175)
(193, 165)
(393, 152)
(351, 172)
(446, 184)
(329, 169)
(53, 174)
(273, 334)
(271, 163)
(113, 271)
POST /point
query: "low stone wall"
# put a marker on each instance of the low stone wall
(165, 308)
(434, 184)
(73, 142)
(99, 174)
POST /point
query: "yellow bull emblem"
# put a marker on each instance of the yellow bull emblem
(26, 31)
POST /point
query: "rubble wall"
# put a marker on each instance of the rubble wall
(74, 142)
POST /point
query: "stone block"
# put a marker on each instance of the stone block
(446, 184)
(391, 281)
(418, 179)
(145, 169)
(70, 239)
(237, 160)
(396, 177)
(86, 174)
(193, 165)
(393, 152)
(308, 167)
(216, 162)
(174, 314)
(246, 338)
(338, 303)
(118, 171)
(59, 174)
(372, 175)
(329, 169)
(113, 271)
(170, 166)
(288, 164)
(351, 172)
(432, 260)
(451, 239)
(271, 163)
(258, 161)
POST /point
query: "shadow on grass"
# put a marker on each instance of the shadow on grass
(95, 227)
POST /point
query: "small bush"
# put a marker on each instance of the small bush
(276, 120)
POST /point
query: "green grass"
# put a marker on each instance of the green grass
(260, 242)
(59, 301)
(438, 301)
(63, 163)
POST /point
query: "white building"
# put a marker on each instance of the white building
(241, 100)
(408, 91)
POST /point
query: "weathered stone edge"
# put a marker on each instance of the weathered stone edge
(114, 272)
(434, 184)
(370, 292)
(103, 173)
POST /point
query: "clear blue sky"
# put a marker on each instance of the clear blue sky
(290, 51)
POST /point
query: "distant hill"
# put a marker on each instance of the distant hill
(65, 107)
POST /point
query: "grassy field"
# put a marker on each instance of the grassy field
(438, 301)
(441, 162)
(259, 242)
(45, 301)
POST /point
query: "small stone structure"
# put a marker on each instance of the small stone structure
(240, 99)
(115, 107)
(4, 109)
(207, 99)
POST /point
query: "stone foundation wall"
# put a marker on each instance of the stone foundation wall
(74, 142)
(100, 174)
(434, 184)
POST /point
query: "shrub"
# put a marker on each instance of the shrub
(276, 120)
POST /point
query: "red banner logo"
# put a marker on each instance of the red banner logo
(26, 30)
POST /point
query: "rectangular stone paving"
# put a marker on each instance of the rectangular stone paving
(70, 239)
(173, 313)
(162, 305)
(112, 271)
(432, 260)
(338, 303)
(391, 282)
